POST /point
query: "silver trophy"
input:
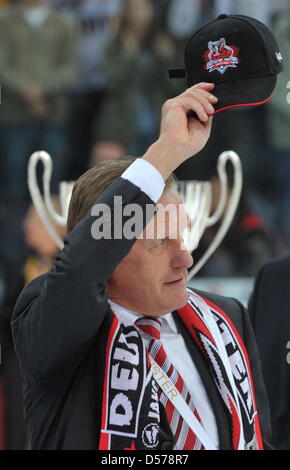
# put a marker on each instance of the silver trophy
(196, 195)
(197, 198)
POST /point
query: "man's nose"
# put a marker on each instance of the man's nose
(182, 258)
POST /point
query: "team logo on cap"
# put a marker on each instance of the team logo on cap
(219, 56)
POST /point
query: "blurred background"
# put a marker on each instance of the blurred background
(85, 80)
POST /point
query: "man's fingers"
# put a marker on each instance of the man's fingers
(186, 120)
(203, 85)
(208, 124)
(198, 101)
(201, 92)
(189, 103)
(208, 95)
(197, 98)
(204, 99)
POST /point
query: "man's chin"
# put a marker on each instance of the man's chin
(179, 301)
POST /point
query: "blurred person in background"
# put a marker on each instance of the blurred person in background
(96, 21)
(279, 125)
(262, 10)
(3, 3)
(136, 64)
(41, 250)
(269, 312)
(183, 17)
(103, 151)
(37, 68)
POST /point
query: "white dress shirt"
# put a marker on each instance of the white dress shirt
(146, 177)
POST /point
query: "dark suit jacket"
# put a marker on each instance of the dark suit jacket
(60, 326)
(270, 314)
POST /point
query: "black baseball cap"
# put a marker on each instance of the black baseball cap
(237, 53)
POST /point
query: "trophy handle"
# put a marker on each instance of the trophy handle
(233, 204)
(45, 209)
(204, 210)
(196, 197)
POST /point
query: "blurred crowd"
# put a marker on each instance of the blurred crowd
(85, 80)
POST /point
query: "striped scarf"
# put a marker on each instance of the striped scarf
(131, 417)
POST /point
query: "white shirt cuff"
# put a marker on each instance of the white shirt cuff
(146, 177)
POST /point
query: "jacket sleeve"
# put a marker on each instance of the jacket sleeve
(57, 316)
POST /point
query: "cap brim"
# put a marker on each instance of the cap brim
(245, 92)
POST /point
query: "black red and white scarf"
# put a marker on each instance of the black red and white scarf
(130, 409)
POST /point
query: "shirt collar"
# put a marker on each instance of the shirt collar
(128, 317)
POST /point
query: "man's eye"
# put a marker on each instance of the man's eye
(158, 245)
(160, 241)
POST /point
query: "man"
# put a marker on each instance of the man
(269, 311)
(114, 312)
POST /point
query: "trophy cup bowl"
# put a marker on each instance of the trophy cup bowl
(197, 198)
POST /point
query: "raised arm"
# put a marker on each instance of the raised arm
(57, 316)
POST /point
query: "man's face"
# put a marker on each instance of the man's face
(151, 279)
